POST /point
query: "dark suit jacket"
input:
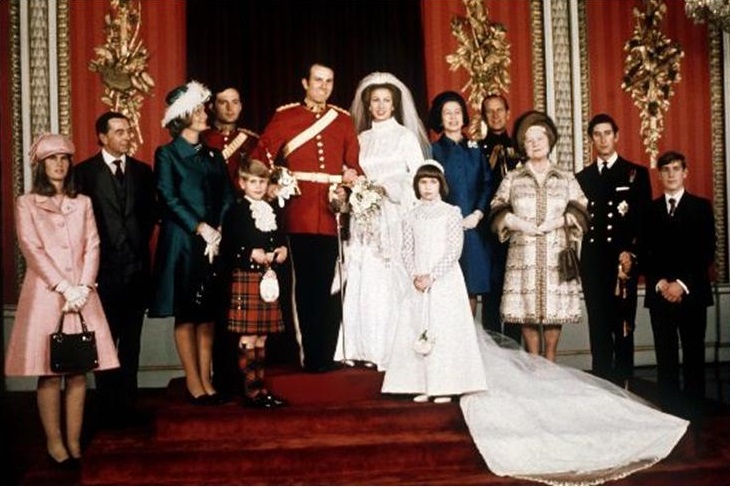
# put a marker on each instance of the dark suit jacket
(617, 208)
(680, 247)
(122, 227)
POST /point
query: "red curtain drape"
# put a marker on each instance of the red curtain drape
(163, 32)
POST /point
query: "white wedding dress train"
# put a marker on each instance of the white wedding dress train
(550, 423)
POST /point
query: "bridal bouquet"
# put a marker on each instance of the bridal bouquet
(365, 201)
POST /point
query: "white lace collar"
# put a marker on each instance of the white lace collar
(263, 215)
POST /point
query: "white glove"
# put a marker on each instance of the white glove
(209, 234)
(471, 220)
(211, 251)
(550, 225)
(517, 224)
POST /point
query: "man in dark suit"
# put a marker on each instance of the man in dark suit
(498, 149)
(619, 194)
(680, 248)
(123, 196)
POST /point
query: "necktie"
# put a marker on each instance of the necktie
(118, 173)
(604, 168)
(672, 206)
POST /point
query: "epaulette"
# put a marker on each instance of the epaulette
(339, 109)
(248, 132)
(288, 106)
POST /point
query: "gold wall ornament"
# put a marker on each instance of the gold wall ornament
(651, 67)
(484, 52)
(122, 63)
(715, 12)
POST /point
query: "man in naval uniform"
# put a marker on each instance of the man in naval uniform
(498, 149)
(234, 142)
(318, 143)
(619, 195)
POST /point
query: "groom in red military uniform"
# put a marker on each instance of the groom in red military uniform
(319, 145)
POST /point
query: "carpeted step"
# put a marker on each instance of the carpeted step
(231, 421)
(299, 388)
(291, 460)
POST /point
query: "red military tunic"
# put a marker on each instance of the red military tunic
(216, 139)
(331, 151)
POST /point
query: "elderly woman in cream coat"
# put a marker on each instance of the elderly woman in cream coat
(532, 207)
(58, 238)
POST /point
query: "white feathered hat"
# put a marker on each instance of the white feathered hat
(183, 100)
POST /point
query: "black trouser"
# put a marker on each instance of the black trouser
(612, 349)
(672, 323)
(124, 302)
(491, 318)
(319, 312)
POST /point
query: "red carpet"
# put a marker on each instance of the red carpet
(338, 430)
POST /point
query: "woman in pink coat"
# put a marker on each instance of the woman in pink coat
(58, 238)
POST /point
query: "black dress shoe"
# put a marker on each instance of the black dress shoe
(69, 463)
(276, 401)
(321, 369)
(201, 400)
(217, 398)
(259, 401)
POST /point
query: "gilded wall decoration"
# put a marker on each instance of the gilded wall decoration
(122, 63)
(651, 67)
(719, 167)
(538, 55)
(562, 87)
(484, 53)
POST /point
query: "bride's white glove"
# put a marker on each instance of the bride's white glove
(517, 224)
(550, 225)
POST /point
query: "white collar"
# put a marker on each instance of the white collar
(677, 196)
(611, 161)
(109, 159)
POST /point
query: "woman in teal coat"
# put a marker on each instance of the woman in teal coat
(194, 192)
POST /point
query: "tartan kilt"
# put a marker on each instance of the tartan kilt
(248, 314)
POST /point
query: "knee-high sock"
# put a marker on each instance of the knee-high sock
(246, 366)
(259, 365)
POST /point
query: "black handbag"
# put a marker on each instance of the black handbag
(73, 353)
(568, 262)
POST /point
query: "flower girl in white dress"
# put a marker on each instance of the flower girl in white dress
(435, 353)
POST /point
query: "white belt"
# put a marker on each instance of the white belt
(317, 177)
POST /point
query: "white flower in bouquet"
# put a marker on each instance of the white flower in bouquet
(365, 201)
(286, 184)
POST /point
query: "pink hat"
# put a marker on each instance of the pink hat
(47, 145)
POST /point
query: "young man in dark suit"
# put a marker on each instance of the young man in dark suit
(619, 193)
(122, 192)
(680, 248)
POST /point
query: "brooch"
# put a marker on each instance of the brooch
(472, 144)
(623, 208)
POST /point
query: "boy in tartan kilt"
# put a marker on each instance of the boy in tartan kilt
(252, 247)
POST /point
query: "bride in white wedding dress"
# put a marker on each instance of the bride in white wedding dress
(392, 146)
(550, 423)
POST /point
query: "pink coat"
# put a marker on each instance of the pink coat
(57, 243)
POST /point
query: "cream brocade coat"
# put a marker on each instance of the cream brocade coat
(533, 292)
